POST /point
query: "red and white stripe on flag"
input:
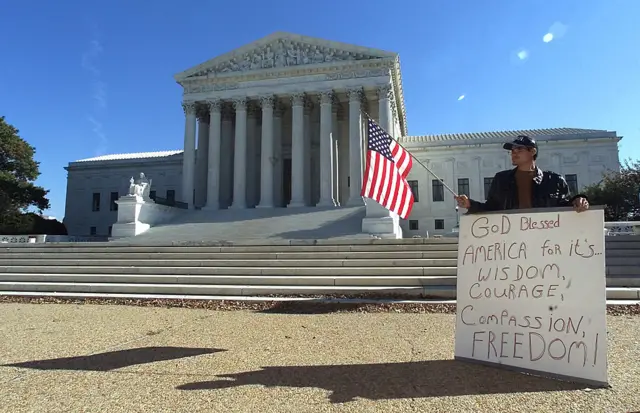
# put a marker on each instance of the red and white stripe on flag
(385, 177)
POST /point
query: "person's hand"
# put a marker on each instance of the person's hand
(463, 201)
(580, 204)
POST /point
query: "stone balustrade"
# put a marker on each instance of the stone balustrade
(622, 228)
(610, 228)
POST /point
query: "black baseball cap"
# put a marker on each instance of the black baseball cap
(523, 141)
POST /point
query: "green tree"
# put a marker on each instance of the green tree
(619, 192)
(18, 171)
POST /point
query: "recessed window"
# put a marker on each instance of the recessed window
(487, 187)
(413, 225)
(463, 186)
(439, 224)
(95, 203)
(112, 201)
(438, 190)
(93, 231)
(572, 181)
(414, 189)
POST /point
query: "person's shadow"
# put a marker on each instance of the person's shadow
(433, 378)
(115, 359)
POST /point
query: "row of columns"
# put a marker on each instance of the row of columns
(270, 140)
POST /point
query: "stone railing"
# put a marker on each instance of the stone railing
(39, 238)
(622, 228)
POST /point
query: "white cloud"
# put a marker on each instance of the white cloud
(555, 32)
(519, 56)
(461, 97)
(89, 62)
(523, 54)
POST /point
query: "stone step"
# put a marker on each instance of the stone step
(621, 253)
(631, 260)
(399, 281)
(431, 291)
(241, 290)
(624, 281)
(623, 293)
(421, 262)
(256, 298)
(260, 279)
(622, 270)
(628, 245)
(88, 247)
(284, 271)
(397, 255)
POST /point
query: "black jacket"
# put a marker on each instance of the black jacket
(549, 190)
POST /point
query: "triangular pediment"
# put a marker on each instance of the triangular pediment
(281, 50)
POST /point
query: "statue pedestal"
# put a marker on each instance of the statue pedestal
(129, 210)
(380, 221)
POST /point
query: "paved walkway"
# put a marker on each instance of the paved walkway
(89, 358)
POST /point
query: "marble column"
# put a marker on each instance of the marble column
(308, 152)
(213, 166)
(253, 155)
(297, 150)
(326, 145)
(335, 138)
(374, 209)
(226, 160)
(355, 148)
(202, 152)
(240, 155)
(266, 155)
(189, 155)
(278, 190)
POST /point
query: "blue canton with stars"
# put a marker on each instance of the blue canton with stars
(379, 141)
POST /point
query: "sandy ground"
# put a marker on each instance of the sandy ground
(100, 358)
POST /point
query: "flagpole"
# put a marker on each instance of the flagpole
(416, 159)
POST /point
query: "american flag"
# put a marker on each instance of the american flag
(385, 178)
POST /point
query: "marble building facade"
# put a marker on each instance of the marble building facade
(281, 123)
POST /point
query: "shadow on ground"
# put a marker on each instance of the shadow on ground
(115, 359)
(432, 378)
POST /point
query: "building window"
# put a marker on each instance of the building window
(413, 225)
(463, 186)
(171, 195)
(112, 205)
(439, 224)
(95, 204)
(152, 194)
(487, 187)
(438, 190)
(414, 189)
(110, 229)
(572, 181)
(93, 231)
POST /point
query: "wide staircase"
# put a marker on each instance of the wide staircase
(415, 269)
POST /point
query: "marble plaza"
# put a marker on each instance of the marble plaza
(280, 123)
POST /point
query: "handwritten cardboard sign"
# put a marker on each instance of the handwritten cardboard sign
(531, 293)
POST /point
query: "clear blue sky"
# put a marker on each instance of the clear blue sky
(81, 78)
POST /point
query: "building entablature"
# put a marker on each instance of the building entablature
(289, 63)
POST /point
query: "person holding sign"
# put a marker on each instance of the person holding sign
(525, 186)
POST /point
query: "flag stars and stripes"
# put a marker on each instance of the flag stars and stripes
(388, 165)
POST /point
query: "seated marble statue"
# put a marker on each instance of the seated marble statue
(142, 188)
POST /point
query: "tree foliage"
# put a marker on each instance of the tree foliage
(619, 192)
(18, 171)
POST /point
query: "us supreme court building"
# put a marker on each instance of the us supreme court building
(281, 123)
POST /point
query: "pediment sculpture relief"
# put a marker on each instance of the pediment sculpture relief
(285, 53)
